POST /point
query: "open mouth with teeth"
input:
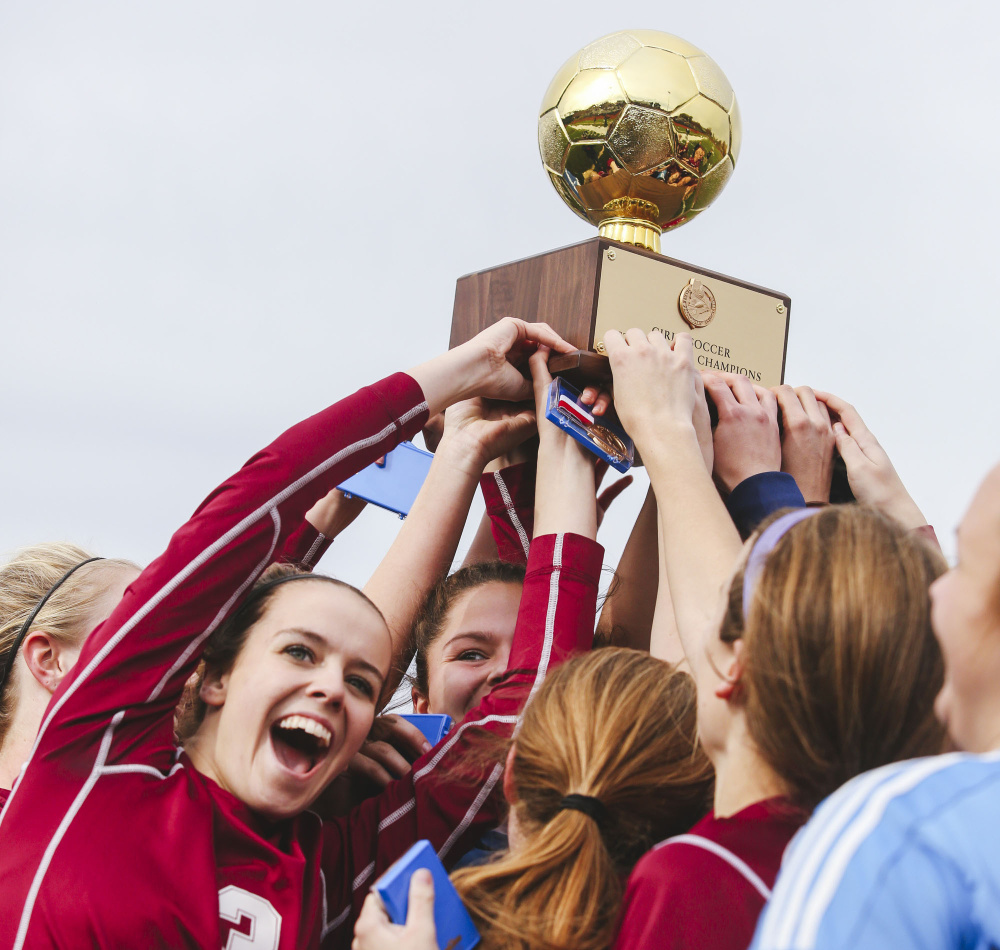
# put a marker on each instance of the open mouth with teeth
(300, 743)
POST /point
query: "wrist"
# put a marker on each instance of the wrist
(906, 512)
(452, 376)
(460, 450)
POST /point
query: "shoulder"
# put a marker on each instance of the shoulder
(919, 827)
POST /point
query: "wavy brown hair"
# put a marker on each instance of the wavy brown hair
(841, 664)
(617, 725)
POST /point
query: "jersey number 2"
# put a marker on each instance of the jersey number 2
(239, 906)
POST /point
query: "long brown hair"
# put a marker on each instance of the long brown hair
(841, 664)
(617, 725)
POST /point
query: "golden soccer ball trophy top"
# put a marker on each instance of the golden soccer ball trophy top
(639, 132)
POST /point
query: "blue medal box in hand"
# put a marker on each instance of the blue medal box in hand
(455, 929)
(393, 483)
(434, 726)
(604, 436)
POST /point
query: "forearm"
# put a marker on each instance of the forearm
(484, 546)
(628, 612)
(700, 543)
(564, 490)
(425, 546)
(664, 640)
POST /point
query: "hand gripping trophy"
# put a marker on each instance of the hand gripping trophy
(638, 133)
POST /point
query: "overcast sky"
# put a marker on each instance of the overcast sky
(218, 217)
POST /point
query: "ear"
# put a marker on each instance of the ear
(729, 688)
(509, 791)
(47, 659)
(420, 701)
(213, 688)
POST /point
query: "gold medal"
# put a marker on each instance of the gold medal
(696, 304)
(605, 439)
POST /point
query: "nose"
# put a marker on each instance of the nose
(497, 672)
(328, 686)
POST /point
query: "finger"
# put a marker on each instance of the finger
(636, 337)
(850, 417)
(684, 347)
(767, 401)
(402, 733)
(614, 342)
(420, 913)
(820, 417)
(613, 490)
(388, 756)
(588, 395)
(544, 335)
(742, 389)
(722, 395)
(848, 448)
(372, 913)
(602, 403)
(791, 408)
(367, 768)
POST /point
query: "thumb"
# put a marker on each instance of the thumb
(848, 448)
(420, 913)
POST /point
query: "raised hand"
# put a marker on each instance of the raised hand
(807, 441)
(485, 429)
(656, 385)
(491, 364)
(746, 439)
(374, 930)
(871, 475)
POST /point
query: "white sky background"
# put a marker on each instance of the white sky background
(218, 217)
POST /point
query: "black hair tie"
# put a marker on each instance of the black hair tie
(590, 806)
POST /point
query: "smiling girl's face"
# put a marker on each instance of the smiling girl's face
(470, 656)
(299, 700)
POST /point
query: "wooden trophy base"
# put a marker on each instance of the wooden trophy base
(585, 289)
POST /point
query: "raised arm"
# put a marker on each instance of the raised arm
(657, 394)
(475, 431)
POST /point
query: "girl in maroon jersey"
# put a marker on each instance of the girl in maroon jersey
(113, 837)
(52, 596)
(813, 656)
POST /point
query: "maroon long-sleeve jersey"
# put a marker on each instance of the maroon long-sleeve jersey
(111, 838)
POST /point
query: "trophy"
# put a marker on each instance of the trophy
(638, 133)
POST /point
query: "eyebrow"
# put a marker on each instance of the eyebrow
(479, 636)
(323, 642)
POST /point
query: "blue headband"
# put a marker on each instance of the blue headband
(763, 546)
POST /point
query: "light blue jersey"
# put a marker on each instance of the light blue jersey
(906, 857)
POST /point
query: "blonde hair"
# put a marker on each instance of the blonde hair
(616, 725)
(842, 666)
(24, 580)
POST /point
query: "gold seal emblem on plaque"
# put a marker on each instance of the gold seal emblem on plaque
(696, 304)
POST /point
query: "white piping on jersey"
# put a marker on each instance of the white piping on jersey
(817, 862)
(550, 624)
(67, 820)
(268, 508)
(509, 505)
(733, 860)
(832, 872)
(329, 926)
(811, 844)
(363, 876)
(488, 785)
(196, 643)
(473, 810)
(311, 553)
(398, 813)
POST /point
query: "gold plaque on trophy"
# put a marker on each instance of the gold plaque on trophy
(638, 132)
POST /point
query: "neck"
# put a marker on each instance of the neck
(16, 747)
(742, 777)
